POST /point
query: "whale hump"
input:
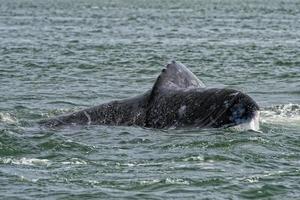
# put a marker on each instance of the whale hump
(176, 76)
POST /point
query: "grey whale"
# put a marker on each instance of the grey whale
(177, 99)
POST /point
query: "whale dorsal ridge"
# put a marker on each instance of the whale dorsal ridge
(176, 76)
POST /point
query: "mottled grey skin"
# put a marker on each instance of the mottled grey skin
(177, 99)
(125, 112)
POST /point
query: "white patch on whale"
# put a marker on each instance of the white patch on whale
(253, 124)
(88, 117)
(182, 111)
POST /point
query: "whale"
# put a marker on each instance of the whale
(177, 99)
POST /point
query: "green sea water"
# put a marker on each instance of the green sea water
(65, 55)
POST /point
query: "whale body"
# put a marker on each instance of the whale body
(177, 99)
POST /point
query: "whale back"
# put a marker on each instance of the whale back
(179, 98)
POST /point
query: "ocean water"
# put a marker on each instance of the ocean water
(63, 55)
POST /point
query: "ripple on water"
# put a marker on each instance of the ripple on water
(13, 144)
(264, 191)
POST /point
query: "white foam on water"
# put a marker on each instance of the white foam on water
(282, 114)
(149, 182)
(75, 161)
(38, 162)
(177, 181)
(285, 114)
(25, 161)
(7, 118)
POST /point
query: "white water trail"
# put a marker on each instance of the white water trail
(285, 114)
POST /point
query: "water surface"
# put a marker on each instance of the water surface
(62, 56)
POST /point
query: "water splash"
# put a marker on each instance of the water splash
(281, 114)
(253, 124)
